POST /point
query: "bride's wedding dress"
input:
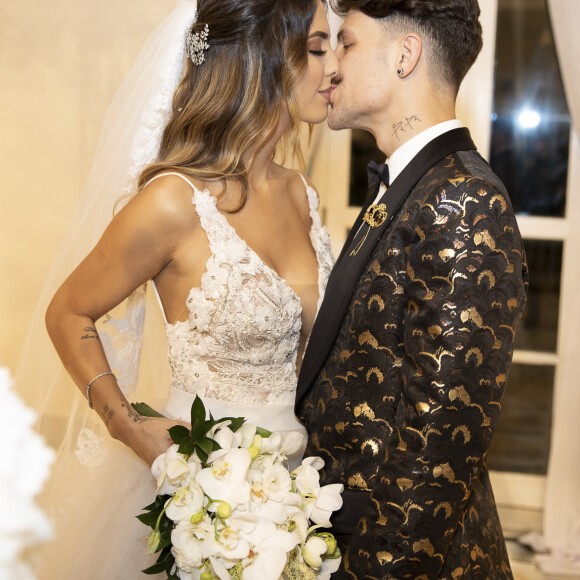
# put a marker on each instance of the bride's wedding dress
(238, 351)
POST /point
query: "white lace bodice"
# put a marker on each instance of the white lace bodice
(241, 340)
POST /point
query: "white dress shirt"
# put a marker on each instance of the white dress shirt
(402, 156)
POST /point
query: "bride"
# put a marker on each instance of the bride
(235, 250)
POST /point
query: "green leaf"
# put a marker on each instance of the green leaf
(201, 454)
(178, 433)
(263, 432)
(148, 519)
(158, 504)
(197, 411)
(164, 563)
(237, 423)
(199, 430)
(145, 410)
(158, 568)
(187, 447)
(206, 445)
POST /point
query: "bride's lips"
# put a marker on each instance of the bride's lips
(327, 92)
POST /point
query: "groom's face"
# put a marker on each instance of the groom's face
(365, 79)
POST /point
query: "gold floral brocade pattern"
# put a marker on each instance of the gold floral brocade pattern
(407, 401)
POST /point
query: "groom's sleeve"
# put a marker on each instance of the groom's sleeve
(465, 294)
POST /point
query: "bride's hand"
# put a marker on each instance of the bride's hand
(149, 437)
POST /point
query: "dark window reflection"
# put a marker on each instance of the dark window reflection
(522, 436)
(538, 329)
(531, 123)
(363, 149)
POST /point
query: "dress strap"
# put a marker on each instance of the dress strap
(172, 173)
(197, 195)
(205, 204)
(159, 301)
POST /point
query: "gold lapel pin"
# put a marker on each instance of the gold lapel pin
(374, 217)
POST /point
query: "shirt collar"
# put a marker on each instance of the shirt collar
(402, 156)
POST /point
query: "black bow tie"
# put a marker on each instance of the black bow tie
(377, 172)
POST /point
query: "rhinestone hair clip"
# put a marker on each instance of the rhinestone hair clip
(197, 45)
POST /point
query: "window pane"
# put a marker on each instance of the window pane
(538, 329)
(522, 438)
(531, 122)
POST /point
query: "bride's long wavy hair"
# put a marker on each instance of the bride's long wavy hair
(226, 109)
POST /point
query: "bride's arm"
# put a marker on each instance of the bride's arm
(138, 243)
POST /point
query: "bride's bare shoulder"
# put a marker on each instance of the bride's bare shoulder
(167, 200)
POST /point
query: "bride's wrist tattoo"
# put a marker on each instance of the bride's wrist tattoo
(107, 414)
(137, 418)
(90, 332)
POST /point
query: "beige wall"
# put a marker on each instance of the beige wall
(60, 65)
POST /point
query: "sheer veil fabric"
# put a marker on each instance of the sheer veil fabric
(88, 459)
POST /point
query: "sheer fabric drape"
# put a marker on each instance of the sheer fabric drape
(562, 505)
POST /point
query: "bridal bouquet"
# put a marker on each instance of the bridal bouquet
(227, 507)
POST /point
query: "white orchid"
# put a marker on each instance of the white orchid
(297, 523)
(226, 479)
(319, 502)
(328, 567)
(307, 480)
(173, 470)
(313, 550)
(246, 434)
(225, 437)
(292, 442)
(236, 512)
(272, 444)
(328, 501)
(186, 502)
(270, 547)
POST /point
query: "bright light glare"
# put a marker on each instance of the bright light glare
(529, 119)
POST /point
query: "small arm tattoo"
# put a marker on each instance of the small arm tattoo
(90, 332)
(108, 414)
(137, 418)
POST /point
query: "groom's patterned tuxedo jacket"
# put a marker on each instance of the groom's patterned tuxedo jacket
(402, 381)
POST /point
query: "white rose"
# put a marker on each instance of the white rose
(192, 544)
(276, 482)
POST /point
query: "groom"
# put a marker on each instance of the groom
(402, 382)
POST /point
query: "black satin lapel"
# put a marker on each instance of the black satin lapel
(348, 269)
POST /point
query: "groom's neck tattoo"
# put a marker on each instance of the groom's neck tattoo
(90, 332)
(409, 123)
(132, 414)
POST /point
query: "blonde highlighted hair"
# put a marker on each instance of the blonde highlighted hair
(226, 109)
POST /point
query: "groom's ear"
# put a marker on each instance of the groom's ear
(411, 49)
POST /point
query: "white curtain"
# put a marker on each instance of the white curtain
(562, 507)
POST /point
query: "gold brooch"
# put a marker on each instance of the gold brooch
(375, 216)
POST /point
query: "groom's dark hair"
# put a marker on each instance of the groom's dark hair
(451, 26)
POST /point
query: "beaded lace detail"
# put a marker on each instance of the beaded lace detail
(241, 340)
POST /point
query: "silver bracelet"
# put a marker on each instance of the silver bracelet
(88, 387)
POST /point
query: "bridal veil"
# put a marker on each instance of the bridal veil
(129, 142)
